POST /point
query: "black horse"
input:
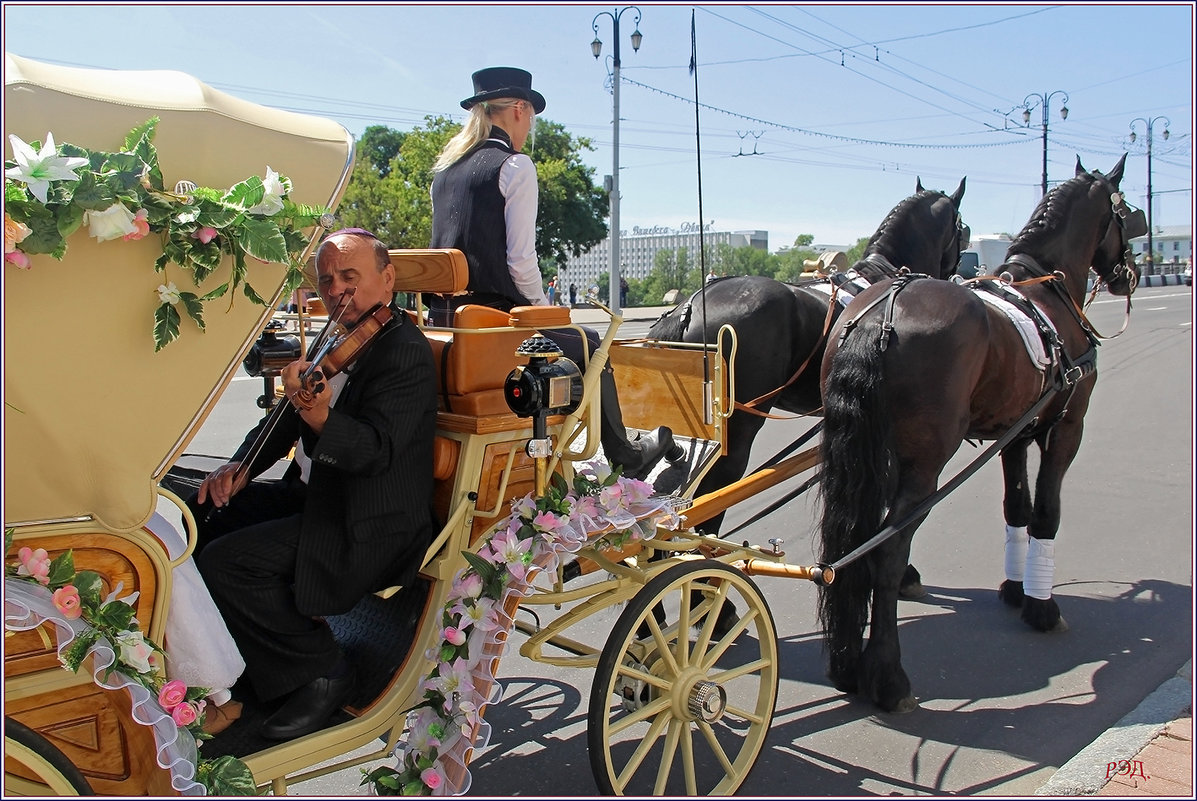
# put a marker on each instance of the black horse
(781, 328)
(912, 369)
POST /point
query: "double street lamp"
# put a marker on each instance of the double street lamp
(1150, 258)
(596, 47)
(1044, 100)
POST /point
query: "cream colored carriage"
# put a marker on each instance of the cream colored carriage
(96, 422)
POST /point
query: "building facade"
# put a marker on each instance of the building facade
(638, 251)
(1173, 245)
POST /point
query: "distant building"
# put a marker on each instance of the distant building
(1173, 246)
(638, 250)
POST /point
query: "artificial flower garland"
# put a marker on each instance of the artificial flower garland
(39, 589)
(51, 191)
(601, 509)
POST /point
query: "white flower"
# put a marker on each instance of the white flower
(135, 651)
(272, 201)
(36, 169)
(168, 293)
(111, 223)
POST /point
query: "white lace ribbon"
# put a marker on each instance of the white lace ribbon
(27, 606)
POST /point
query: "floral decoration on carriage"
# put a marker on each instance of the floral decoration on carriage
(600, 509)
(40, 589)
(51, 191)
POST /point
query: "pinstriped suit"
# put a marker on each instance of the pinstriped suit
(362, 522)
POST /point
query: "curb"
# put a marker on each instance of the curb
(1085, 773)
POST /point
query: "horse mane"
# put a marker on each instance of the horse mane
(1051, 213)
(899, 211)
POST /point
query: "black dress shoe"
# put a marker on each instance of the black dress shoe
(649, 449)
(309, 708)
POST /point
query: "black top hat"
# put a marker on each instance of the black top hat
(495, 82)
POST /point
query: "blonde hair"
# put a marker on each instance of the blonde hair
(477, 129)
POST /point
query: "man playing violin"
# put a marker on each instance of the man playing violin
(351, 515)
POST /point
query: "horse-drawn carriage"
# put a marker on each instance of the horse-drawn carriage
(683, 692)
(91, 463)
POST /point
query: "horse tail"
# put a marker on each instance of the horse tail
(857, 472)
(671, 326)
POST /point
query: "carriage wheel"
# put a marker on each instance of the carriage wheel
(33, 766)
(676, 709)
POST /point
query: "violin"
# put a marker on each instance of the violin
(338, 352)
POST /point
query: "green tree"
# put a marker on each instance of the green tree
(572, 212)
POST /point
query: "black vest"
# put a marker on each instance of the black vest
(467, 214)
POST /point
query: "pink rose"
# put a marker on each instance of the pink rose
(205, 235)
(66, 600)
(35, 564)
(454, 635)
(431, 777)
(18, 258)
(172, 694)
(140, 224)
(183, 715)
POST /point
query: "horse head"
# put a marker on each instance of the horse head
(1114, 261)
(924, 233)
(1082, 224)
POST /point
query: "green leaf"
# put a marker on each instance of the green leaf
(194, 307)
(8, 533)
(262, 240)
(44, 236)
(69, 220)
(92, 195)
(77, 651)
(62, 570)
(485, 570)
(142, 133)
(216, 293)
(249, 292)
(115, 615)
(216, 215)
(246, 194)
(166, 326)
(226, 775)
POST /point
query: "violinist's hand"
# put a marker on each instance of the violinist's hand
(222, 484)
(312, 401)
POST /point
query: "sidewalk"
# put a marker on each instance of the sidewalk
(1147, 753)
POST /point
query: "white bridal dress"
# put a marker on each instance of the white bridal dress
(199, 649)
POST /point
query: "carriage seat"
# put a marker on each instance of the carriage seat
(473, 367)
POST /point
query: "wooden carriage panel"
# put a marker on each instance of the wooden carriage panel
(95, 729)
(521, 482)
(26, 652)
(663, 387)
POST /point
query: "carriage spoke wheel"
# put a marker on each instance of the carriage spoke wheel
(681, 703)
(33, 766)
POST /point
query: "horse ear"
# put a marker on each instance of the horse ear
(1115, 175)
(959, 193)
(1080, 169)
(918, 185)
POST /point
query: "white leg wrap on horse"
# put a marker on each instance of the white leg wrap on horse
(1016, 551)
(1041, 568)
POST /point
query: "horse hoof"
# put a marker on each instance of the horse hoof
(1011, 593)
(906, 705)
(1061, 626)
(912, 592)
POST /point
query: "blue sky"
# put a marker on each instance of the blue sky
(814, 119)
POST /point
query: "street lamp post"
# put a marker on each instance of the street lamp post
(1150, 258)
(1028, 103)
(596, 47)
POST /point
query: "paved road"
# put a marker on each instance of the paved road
(1001, 706)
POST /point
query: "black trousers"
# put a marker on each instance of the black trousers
(247, 554)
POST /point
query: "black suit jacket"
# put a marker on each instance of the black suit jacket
(367, 520)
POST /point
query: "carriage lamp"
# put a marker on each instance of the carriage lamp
(548, 384)
(268, 356)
